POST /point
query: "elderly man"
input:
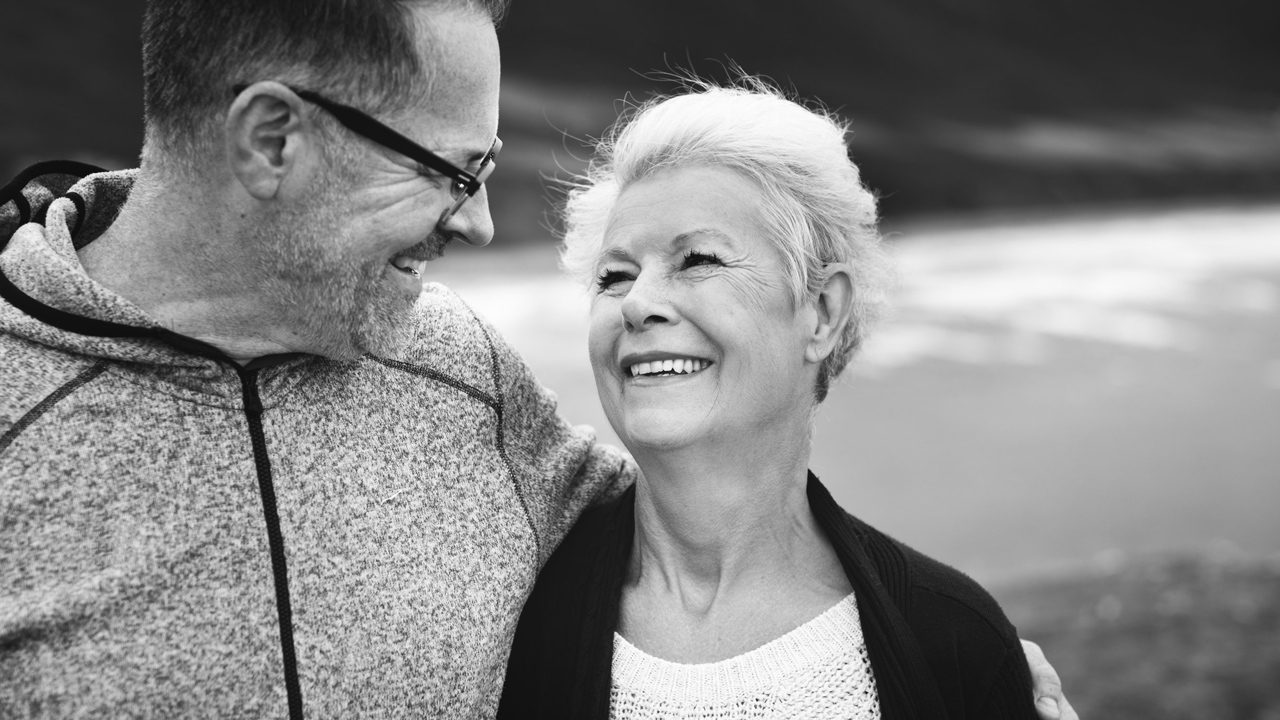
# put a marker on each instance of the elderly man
(249, 467)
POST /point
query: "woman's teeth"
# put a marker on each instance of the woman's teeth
(678, 366)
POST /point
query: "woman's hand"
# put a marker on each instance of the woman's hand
(1046, 686)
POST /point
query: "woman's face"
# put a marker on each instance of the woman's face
(694, 335)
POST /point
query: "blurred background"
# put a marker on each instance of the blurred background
(1076, 398)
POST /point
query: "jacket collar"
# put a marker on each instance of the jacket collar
(46, 215)
(880, 576)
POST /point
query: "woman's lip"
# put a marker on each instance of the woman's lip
(628, 360)
(680, 366)
(659, 380)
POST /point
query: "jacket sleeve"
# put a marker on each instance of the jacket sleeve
(561, 658)
(560, 470)
(1009, 695)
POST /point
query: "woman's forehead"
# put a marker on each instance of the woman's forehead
(676, 207)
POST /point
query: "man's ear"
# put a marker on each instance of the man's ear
(832, 310)
(268, 138)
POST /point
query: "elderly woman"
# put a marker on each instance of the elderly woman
(733, 257)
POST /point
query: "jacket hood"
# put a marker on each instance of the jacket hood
(46, 215)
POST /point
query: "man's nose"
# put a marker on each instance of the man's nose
(472, 223)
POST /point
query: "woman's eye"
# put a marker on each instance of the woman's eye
(694, 259)
(610, 278)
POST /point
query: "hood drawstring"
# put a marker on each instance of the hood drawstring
(12, 191)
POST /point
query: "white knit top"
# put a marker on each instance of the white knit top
(819, 671)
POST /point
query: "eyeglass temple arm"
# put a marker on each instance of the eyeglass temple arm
(368, 127)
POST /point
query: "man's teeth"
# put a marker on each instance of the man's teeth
(407, 265)
(675, 366)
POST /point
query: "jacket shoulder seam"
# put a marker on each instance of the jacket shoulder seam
(49, 401)
(501, 440)
(443, 378)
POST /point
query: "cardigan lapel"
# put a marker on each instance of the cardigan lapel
(600, 608)
(876, 570)
(873, 564)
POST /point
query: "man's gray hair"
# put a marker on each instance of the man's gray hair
(816, 208)
(361, 52)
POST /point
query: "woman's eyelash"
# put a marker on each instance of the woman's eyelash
(607, 278)
(697, 257)
(692, 258)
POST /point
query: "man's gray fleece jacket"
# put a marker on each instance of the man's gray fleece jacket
(184, 537)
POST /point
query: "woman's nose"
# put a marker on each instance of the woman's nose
(647, 303)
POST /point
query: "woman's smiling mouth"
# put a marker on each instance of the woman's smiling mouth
(667, 367)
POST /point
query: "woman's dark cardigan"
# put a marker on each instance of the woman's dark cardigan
(940, 647)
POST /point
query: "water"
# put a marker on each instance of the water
(1046, 393)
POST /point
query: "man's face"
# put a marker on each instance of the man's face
(350, 259)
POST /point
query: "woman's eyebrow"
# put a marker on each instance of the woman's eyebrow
(687, 236)
(680, 240)
(614, 253)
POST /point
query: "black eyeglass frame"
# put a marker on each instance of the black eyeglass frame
(464, 185)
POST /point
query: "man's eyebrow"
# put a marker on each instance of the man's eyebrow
(461, 157)
(482, 154)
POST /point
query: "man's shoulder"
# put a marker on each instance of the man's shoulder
(593, 550)
(450, 340)
(603, 518)
(443, 318)
(33, 373)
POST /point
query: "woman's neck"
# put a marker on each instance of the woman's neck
(709, 522)
(725, 539)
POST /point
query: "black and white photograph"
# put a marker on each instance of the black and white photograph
(640, 360)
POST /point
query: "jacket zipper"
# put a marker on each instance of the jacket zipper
(266, 488)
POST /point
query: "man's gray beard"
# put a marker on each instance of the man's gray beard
(349, 312)
(337, 308)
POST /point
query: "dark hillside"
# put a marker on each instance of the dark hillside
(1169, 638)
(956, 105)
(906, 56)
(965, 105)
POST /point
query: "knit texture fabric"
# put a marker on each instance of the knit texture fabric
(939, 645)
(416, 498)
(818, 671)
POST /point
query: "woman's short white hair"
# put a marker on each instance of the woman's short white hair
(816, 207)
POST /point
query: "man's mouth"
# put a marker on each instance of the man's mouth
(667, 367)
(408, 265)
(413, 261)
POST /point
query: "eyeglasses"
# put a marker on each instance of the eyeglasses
(463, 184)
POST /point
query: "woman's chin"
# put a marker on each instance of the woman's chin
(657, 434)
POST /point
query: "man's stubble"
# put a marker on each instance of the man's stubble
(338, 303)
